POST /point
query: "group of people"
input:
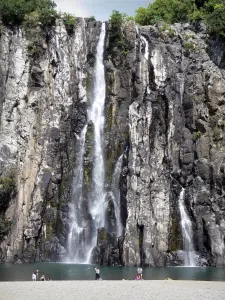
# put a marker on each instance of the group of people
(97, 275)
(35, 276)
(138, 277)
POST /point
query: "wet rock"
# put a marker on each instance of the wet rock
(164, 111)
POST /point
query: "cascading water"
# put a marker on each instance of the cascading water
(144, 66)
(97, 203)
(115, 193)
(75, 243)
(187, 232)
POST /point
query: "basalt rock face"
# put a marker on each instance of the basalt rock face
(165, 105)
(43, 110)
(169, 91)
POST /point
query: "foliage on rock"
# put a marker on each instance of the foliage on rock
(69, 22)
(7, 190)
(172, 11)
(116, 35)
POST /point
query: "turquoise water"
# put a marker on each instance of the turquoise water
(62, 271)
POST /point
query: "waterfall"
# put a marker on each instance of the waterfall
(97, 203)
(75, 242)
(144, 65)
(187, 232)
(115, 193)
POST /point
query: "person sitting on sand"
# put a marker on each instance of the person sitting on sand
(34, 276)
(97, 273)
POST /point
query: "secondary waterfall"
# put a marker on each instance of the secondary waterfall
(187, 232)
(144, 65)
(75, 242)
(116, 195)
(97, 203)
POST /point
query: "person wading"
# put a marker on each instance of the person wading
(139, 271)
(97, 273)
(34, 276)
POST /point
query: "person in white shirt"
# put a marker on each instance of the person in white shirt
(97, 273)
(139, 271)
(34, 277)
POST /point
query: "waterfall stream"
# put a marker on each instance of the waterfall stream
(75, 243)
(144, 65)
(115, 193)
(187, 232)
(97, 203)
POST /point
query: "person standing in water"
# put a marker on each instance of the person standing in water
(43, 278)
(34, 276)
(36, 273)
(139, 271)
(97, 273)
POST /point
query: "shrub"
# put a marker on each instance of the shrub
(91, 19)
(197, 135)
(215, 17)
(116, 36)
(5, 226)
(189, 46)
(69, 22)
(7, 188)
(166, 28)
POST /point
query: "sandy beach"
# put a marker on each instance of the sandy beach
(85, 290)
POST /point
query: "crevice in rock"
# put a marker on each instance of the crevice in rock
(141, 243)
(206, 237)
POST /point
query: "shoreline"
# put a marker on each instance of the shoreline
(113, 289)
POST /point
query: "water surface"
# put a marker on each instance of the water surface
(63, 271)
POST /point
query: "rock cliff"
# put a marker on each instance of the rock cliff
(164, 109)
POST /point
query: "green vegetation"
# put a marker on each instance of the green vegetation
(5, 226)
(116, 35)
(7, 188)
(171, 11)
(216, 132)
(91, 19)
(15, 12)
(7, 191)
(197, 135)
(166, 28)
(69, 22)
(188, 46)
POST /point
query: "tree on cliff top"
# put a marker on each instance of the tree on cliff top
(14, 12)
(172, 11)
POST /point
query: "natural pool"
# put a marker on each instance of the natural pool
(66, 271)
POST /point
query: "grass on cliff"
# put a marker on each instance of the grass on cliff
(212, 12)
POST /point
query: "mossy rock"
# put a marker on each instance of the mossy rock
(176, 240)
(102, 235)
(108, 122)
(87, 177)
(50, 228)
(89, 140)
(7, 190)
(5, 226)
